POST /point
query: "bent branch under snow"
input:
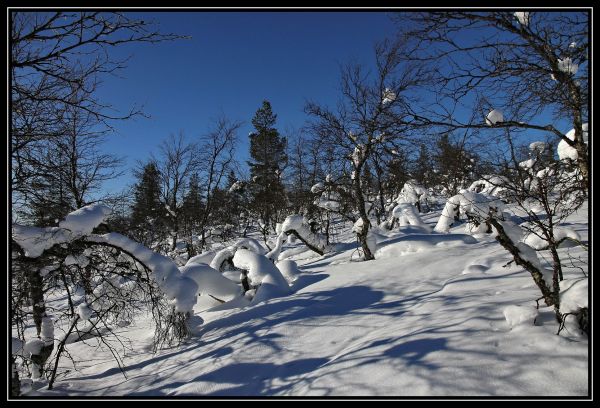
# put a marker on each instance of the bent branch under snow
(294, 224)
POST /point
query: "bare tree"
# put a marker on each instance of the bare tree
(177, 161)
(373, 112)
(523, 64)
(217, 149)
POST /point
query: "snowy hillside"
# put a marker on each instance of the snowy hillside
(432, 317)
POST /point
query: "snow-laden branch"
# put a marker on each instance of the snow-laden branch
(294, 224)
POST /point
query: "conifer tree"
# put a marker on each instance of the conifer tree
(148, 214)
(267, 150)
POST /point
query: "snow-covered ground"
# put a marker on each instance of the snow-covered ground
(433, 318)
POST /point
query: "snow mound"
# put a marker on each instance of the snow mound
(407, 244)
(490, 186)
(298, 224)
(261, 273)
(412, 193)
(407, 214)
(573, 295)
(203, 258)
(520, 315)
(475, 268)
(289, 270)
(211, 282)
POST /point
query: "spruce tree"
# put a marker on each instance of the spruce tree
(267, 150)
(148, 213)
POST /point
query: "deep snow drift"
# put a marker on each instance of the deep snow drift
(435, 315)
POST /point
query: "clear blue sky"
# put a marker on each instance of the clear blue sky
(233, 61)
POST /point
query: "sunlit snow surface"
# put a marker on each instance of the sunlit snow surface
(451, 319)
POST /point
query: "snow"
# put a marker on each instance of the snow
(221, 256)
(289, 270)
(179, 289)
(468, 203)
(47, 330)
(261, 271)
(560, 233)
(211, 282)
(567, 65)
(298, 224)
(84, 311)
(407, 214)
(251, 244)
(527, 164)
(495, 116)
(517, 315)
(409, 325)
(522, 17)
(82, 221)
(358, 155)
(76, 224)
(327, 204)
(398, 247)
(567, 152)
(33, 347)
(80, 260)
(317, 188)
(538, 147)
(489, 185)
(281, 238)
(573, 295)
(203, 258)
(35, 241)
(236, 186)
(412, 192)
(388, 96)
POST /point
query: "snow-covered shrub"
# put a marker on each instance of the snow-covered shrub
(476, 207)
(297, 225)
(574, 303)
(407, 214)
(263, 275)
(491, 186)
(520, 315)
(413, 193)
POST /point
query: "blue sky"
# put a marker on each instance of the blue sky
(233, 61)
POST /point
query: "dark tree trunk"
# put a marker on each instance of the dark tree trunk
(36, 294)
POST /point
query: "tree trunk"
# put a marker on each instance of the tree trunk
(36, 294)
(359, 200)
(550, 298)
